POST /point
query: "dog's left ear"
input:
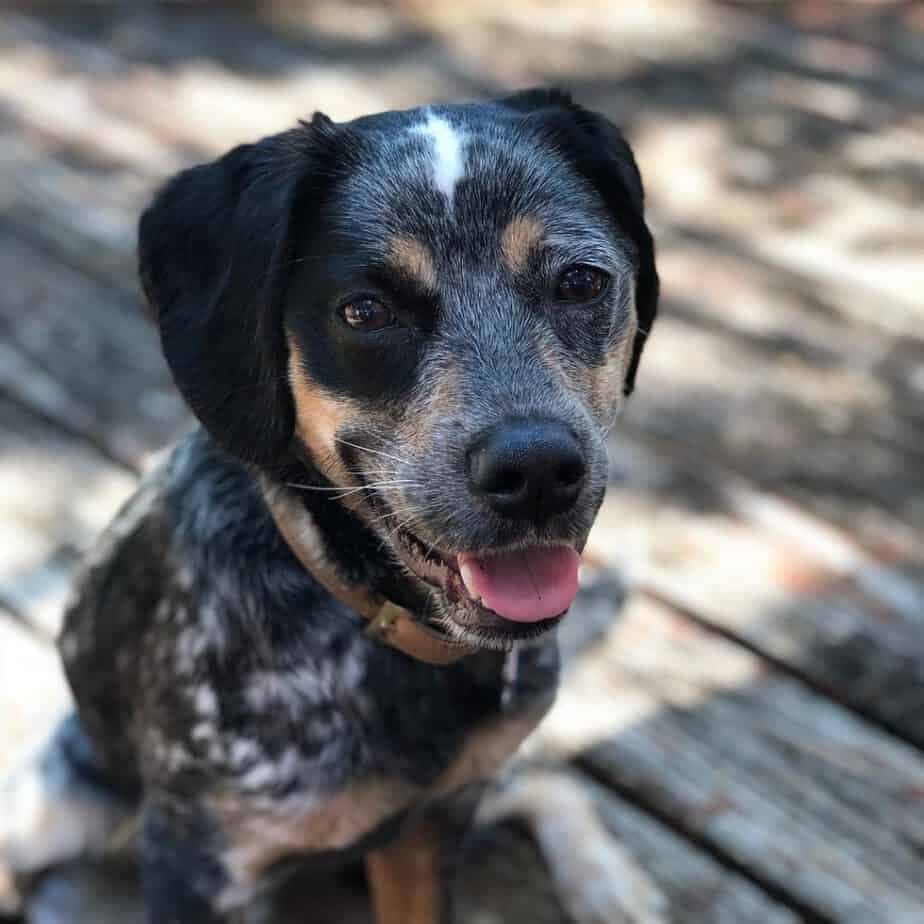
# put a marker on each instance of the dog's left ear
(215, 249)
(598, 150)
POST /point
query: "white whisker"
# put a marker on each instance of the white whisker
(382, 487)
(403, 482)
(376, 452)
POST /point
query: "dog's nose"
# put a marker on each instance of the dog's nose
(527, 469)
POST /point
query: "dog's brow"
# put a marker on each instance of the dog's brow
(410, 257)
(521, 236)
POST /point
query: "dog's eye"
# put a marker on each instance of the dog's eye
(367, 314)
(581, 284)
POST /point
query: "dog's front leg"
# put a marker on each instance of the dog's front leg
(182, 881)
(406, 877)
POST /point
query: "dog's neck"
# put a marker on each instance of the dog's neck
(389, 623)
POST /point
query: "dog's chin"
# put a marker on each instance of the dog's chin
(479, 627)
(455, 610)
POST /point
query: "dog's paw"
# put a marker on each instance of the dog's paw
(596, 879)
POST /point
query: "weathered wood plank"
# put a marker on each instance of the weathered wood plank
(501, 878)
(719, 290)
(175, 92)
(56, 495)
(771, 574)
(83, 356)
(817, 803)
(33, 691)
(698, 888)
(49, 93)
(894, 29)
(83, 213)
(790, 419)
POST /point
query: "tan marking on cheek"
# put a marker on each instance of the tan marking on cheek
(609, 380)
(521, 236)
(411, 258)
(599, 388)
(318, 417)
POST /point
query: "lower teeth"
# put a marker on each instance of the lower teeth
(439, 570)
(465, 570)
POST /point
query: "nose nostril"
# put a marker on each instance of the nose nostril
(570, 473)
(507, 481)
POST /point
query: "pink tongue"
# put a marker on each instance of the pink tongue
(524, 586)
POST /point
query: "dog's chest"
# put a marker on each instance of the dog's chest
(258, 832)
(323, 756)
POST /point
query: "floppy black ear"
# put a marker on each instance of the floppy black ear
(598, 150)
(215, 247)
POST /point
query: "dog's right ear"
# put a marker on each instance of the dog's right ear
(215, 251)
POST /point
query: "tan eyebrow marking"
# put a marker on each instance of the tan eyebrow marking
(411, 257)
(521, 236)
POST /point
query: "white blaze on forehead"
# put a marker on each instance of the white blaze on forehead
(447, 160)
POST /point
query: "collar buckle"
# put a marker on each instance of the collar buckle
(382, 625)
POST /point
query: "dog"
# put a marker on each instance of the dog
(330, 612)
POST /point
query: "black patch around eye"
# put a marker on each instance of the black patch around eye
(376, 365)
(374, 359)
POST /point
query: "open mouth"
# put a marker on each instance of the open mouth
(503, 590)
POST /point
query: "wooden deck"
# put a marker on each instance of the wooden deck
(752, 720)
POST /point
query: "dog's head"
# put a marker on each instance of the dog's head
(438, 313)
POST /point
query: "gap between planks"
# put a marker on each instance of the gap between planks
(724, 858)
(812, 548)
(785, 787)
(59, 422)
(667, 599)
(9, 611)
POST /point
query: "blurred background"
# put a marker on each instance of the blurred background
(751, 719)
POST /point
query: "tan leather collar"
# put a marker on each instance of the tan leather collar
(389, 623)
